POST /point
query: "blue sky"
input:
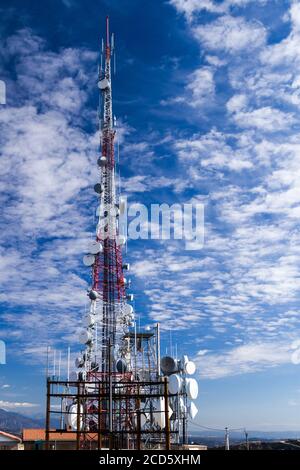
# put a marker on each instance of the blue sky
(207, 96)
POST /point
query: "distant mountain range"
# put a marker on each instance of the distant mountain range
(257, 439)
(252, 434)
(15, 422)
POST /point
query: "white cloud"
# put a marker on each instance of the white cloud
(295, 16)
(202, 352)
(190, 7)
(11, 405)
(199, 91)
(248, 358)
(267, 119)
(237, 103)
(210, 151)
(48, 161)
(202, 87)
(231, 34)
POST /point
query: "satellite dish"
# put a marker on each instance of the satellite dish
(65, 403)
(93, 295)
(103, 84)
(126, 266)
(72, 417)
(88, 260)
(98, 188)
(128, 309)
(95, 247)
(189, 367)
(191, 388)
(79, 361)
(168, 365)
(193, 410)
(121, 366)
(102, 161)
(85, 337)
(175, 383)
(130, 297)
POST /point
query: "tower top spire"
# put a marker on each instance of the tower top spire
(107, 31)
(107, 45)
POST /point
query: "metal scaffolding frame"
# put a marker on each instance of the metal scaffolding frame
(115, 406)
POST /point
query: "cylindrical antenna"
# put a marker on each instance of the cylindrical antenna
(107, 31)
(68, 364)
(59, 364)
(47, 362)
(96, 340)
(54, 362)
(135, 346)
(112, 42)
(227, 446)
(158, 348)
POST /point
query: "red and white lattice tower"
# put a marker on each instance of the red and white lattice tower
(110, 316)
(121, 394)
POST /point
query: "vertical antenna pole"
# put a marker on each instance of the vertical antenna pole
(78, 417)
(158, 348)
(68, 364)
(227, 447)
(107, 30)
(110, 397)
(59, 364)
(167, 421)
(135, 348)
(48, 414)
(54, 362)
(47, 360)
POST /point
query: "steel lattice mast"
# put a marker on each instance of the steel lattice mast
(107, 295)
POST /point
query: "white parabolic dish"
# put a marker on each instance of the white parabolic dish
(175, 383)
(88, 260)
(94, 247)
(128, 309)
(72, 416)
(190, 367)
(193, 410)
(192, 388)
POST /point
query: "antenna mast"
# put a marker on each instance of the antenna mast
(122, 395)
